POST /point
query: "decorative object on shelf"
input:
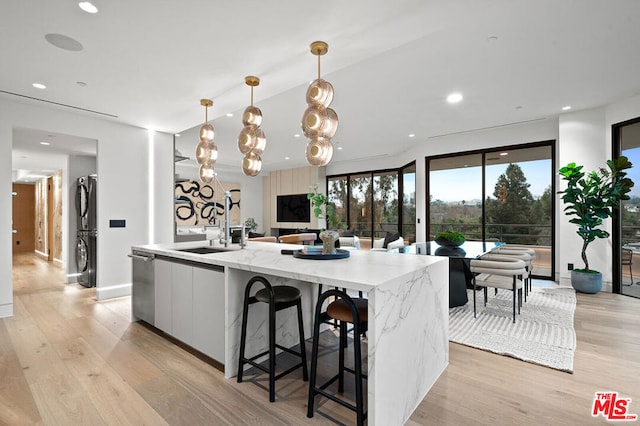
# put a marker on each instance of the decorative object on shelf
(250, 224)
(589, 199)
(322, 209)
(319, 122)
(206, 151)
(251, 141)
(449, 239)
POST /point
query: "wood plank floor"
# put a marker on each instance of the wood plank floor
(67, 359)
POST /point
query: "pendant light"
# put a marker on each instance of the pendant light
(319, 122)
(206, 151)
(252, 141)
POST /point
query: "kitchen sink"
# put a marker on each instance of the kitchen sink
(203, 250)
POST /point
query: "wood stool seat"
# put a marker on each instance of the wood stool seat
(346, 310)
(341, 310)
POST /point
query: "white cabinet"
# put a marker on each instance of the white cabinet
(162, 281)
(182, 302)
(208, 312)
(189, 305)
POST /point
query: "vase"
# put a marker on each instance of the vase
(584, 282)
(329, 239)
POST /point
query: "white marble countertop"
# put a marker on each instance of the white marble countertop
(362, 270)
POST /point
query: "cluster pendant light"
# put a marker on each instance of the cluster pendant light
(206, 151)
(251, 141)
(319, 122)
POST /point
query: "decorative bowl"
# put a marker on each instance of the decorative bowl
(445, 242)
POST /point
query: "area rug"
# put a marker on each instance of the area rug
(543, 333)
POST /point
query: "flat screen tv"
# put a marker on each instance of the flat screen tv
(293, 208)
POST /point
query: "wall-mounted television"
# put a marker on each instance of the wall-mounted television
(293, 208)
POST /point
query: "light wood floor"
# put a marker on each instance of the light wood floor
(67, 359)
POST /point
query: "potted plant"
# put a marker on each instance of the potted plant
(449, 239)
(250, 224)
(322, 209)
(589, 199)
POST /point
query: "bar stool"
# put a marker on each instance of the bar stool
(346, 310)
(278, 298)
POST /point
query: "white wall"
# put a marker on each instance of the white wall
(583, 141)
(123, 169)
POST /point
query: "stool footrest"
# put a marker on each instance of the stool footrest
(339, 401)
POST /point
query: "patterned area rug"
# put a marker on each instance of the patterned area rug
(543, 333)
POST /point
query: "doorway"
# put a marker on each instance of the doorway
(626, 239)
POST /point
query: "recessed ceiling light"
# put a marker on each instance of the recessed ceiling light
(297, 135)
(566, 108)
(339, 148)
(64, 42)
(491, 39)
(81, 83)
(39, 86)
(88, 7)
(454, 98)
(504, 153)
(286, 158)
(229, 114)
(45, 143)
(412, 135)
(519, 107)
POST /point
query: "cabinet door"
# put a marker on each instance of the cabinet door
(208, 312)
(162, 296)
(182, 302)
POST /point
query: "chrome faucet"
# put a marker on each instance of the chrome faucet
(225, 235)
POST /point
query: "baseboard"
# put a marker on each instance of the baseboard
(111, 292)
(6, 310)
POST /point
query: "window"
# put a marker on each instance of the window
(496, 195)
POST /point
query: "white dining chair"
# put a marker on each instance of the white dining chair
(500, 272)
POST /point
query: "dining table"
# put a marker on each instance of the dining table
(460, 276)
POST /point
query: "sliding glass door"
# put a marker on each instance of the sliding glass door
(496, 195)
(376, 202)
(626, 137)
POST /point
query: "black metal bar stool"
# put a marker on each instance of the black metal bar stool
(346, 310)
(278, 298)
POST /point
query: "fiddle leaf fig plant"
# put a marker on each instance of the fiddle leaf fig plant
(322, 209)
(590, 198)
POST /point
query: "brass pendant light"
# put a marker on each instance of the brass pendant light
(252, 141)
(206, 151)
(319, 122)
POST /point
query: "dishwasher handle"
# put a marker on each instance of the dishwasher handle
(147, 258)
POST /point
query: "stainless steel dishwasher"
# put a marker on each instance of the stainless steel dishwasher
(142, 289)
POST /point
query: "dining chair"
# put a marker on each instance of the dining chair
(518, 254)
(500, 272)
(627, 259)
(308, 238)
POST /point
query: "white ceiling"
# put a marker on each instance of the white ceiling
(392, 63)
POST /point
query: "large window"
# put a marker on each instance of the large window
(626, 139)
(496, 195)
(376, 202)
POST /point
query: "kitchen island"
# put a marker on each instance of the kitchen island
(407, 301)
